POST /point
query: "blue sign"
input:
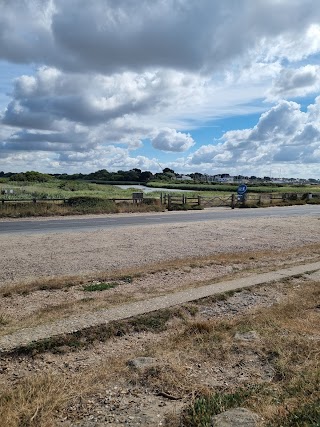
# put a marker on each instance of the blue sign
(242, 189)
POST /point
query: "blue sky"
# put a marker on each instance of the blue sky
(197, 86)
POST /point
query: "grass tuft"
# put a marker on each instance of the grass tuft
(204, 408)
(4, 320)
(99, 286)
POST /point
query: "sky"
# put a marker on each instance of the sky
(205, 86)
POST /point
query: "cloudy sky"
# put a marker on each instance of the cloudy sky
(207, 86)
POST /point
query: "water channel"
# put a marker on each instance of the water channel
(150, 190)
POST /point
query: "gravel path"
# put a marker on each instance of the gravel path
(26, 257)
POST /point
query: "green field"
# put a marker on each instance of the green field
(232, 188)
(84, 197)
(57, 188)
(65, 189)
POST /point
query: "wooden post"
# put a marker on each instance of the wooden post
(169, 201)
(199, 200)
(233, 202)
(161, 198)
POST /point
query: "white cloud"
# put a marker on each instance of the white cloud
(299, 82)
(171, 140)
(114, 74)
(283, 134)
(110, 36)
(111, 158)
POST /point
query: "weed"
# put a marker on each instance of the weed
(191, 309)
(126, 279)
(4, 320)
(155, 322)
(99, 286)
(307, 415)
(204, 408)
(152, 322)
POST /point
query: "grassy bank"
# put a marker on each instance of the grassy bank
(275, 372)
(75, 206)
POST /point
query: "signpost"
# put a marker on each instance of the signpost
(242, 189)
(137, 197)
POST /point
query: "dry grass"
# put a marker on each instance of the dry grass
(287, 344)
(51, 310)
(4, 319)
(101, 206)
(248, 260)
(35, 400)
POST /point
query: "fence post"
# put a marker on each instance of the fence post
(232, 201)
(199, 200)
(161, 199)
(169, 201)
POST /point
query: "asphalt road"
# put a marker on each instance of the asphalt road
(76, 224)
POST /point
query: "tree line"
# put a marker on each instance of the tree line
(136, 175)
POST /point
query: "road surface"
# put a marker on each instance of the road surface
(76, 224)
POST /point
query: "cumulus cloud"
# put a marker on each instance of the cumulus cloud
(171, 140)
(296, 82)
(108, 36)
(116, 73)
(283, 134)
(101, 157)
(53, 110)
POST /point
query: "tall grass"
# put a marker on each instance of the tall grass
(34, 401)
(74, 206)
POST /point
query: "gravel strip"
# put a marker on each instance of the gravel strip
(29, 257)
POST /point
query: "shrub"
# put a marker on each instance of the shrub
(99, 286)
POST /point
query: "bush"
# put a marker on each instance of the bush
(92, 205)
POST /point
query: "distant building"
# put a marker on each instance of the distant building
(224, 178)
(183, 178)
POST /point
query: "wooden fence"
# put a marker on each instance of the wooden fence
(34, 200)
(270, 199)
(233, 200)
(173, 201)
(61, 201)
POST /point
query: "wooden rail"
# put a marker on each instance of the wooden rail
(34, 200)
(170, 201)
